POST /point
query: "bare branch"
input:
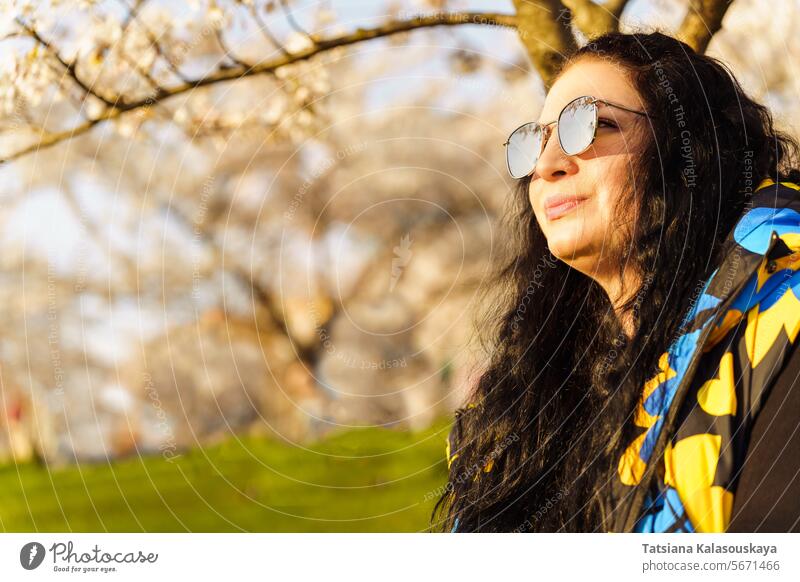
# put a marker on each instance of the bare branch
(133, 13)
(11, 35)
(262, 26)
(151, 37)
(131, 17)
(544, 28)
(229, 52)
(267, 67)
(702, 21)
(52, 138)
(142, 72)
(70, 68)
(293, 22)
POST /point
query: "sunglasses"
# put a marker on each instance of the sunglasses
(577, 129)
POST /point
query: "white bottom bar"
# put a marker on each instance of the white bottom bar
(401, 557)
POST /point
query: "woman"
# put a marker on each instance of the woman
(643, 358)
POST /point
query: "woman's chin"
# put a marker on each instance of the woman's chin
(567, 250)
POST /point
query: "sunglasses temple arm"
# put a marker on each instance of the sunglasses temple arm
(626, 108)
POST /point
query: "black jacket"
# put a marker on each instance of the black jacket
(712, 455)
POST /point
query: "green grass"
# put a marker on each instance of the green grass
(362, 480)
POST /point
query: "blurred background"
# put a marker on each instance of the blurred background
(243, 243)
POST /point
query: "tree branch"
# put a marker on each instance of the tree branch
(229, 52)
(596, 19)
(260, 294)
(265, 31)
(702, 21)
(133, 14)
(231, 74)
(130, 18)
(70, 68)
(544, 28)
(293, 22)
(151, 37)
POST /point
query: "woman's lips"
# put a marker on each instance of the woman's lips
(557, 206)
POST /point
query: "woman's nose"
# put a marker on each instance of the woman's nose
(554, 163)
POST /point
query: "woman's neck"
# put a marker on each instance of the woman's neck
(620, 292)
(619, 289)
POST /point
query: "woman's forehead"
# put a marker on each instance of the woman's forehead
(592, 77)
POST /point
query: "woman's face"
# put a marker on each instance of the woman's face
(583, 232)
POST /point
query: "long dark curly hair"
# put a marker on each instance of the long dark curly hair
(551, 412)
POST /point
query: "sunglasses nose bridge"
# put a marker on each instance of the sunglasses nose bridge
(549, 132)
(546, 132)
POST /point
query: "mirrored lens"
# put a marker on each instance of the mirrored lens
(523, 149)
(576, 126)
